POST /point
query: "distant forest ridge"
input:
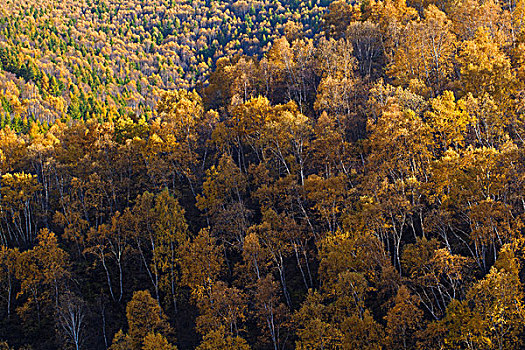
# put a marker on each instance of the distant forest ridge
(91, 58)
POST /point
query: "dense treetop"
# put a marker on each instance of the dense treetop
(262, 175)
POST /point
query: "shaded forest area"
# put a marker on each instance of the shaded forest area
(262, 175)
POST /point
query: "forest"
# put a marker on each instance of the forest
(262, 174)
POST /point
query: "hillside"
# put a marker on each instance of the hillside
(83, 59)
(262, 175)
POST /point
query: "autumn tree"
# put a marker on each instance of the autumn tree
(147, 324)
(160, 230)
(197, 273)
(337, 92)
(223, 200)
(403, 320)
(485, 68)
(110, 243)
(71, 316)
(435, 275)
(272, 315)
(42, 272)
(18, 209)
(490, 316)
(9, 258)
(220, 341)
(423, 59)
(156, 341)
(395, 183)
